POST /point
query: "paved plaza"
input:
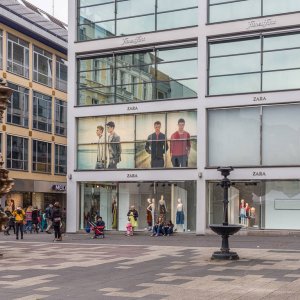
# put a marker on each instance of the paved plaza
(152, 268)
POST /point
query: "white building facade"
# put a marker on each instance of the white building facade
(176, 90)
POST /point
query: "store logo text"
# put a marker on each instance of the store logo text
(133, 41)
(261, 24)
(132, 108)
(258, 173)
(132, 176)
(256, 99)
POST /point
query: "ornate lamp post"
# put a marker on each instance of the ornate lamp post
(225, 229)
(6, 183)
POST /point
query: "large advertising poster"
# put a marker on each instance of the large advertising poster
(153, 140)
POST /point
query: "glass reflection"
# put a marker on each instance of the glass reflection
(177, 19)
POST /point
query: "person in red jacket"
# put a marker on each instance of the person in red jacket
(180, 146)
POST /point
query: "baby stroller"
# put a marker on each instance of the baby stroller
(98, 230)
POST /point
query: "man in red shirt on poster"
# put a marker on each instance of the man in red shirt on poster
(180, 146)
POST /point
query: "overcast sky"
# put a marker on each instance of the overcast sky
(60, 8)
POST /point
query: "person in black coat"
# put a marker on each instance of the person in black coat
(157, 146)
(56, 219)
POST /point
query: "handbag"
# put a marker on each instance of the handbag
(57, 219)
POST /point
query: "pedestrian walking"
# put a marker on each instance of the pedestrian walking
(56, 221)
(48, 213)
(19, 215)
(35, 219)
(28, 214)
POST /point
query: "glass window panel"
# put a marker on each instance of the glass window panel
(281, 42)
(182, 138)
(136, 25)
(177, 70)
(96, 78)
(135, 92)
(234, 64)
(236, 47)
(165, 5)
(135, 7)
(164, 55)
(280, 135)
(41, 157)
(177, 19)
(281, 80)
(97, 96)
(96, 30)
(60, 117)
(282, 204)
(287, 59)
(235, 10)
(60, 159)
(95, 63)
(221, 1)
(92, 2)
(96, 14)
(237, 133)
(234, 84)
(87, 156)
(17, 110)
(145, 125)
(177, 89)
(17, 56)
(272, 7)
(87, 128)
(42, 112)
(17, 153)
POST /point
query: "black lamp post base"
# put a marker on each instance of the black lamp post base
(225, 255)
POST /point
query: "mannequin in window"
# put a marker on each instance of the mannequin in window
(114, 212)
(247, 209)
(150, 209)
(243, 216)
(162, 209)
(179, 215)
(252, 216)
(154, 213)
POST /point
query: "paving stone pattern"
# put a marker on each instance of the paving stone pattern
(43, 270)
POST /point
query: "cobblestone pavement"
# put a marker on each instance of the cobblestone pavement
(80, 268)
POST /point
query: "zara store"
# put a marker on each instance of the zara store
(144, 142)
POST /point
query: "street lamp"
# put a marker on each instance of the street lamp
(6, 183)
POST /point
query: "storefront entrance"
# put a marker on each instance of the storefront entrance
(175, 201)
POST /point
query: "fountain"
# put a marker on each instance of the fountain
(225, 229)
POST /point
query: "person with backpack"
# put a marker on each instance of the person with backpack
(19, 215)
(56, 221)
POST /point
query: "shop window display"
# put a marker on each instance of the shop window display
(175, 201)
(245, 206)
(143, 141)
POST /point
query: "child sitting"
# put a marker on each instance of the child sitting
(100, 222)
(129, 228)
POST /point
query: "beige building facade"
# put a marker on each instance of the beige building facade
(33, 62)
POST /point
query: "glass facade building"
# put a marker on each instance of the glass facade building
(164, 93)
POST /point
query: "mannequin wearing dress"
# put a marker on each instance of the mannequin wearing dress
(162, 208)
(149, 214)
(179, 216)
(114, 213)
